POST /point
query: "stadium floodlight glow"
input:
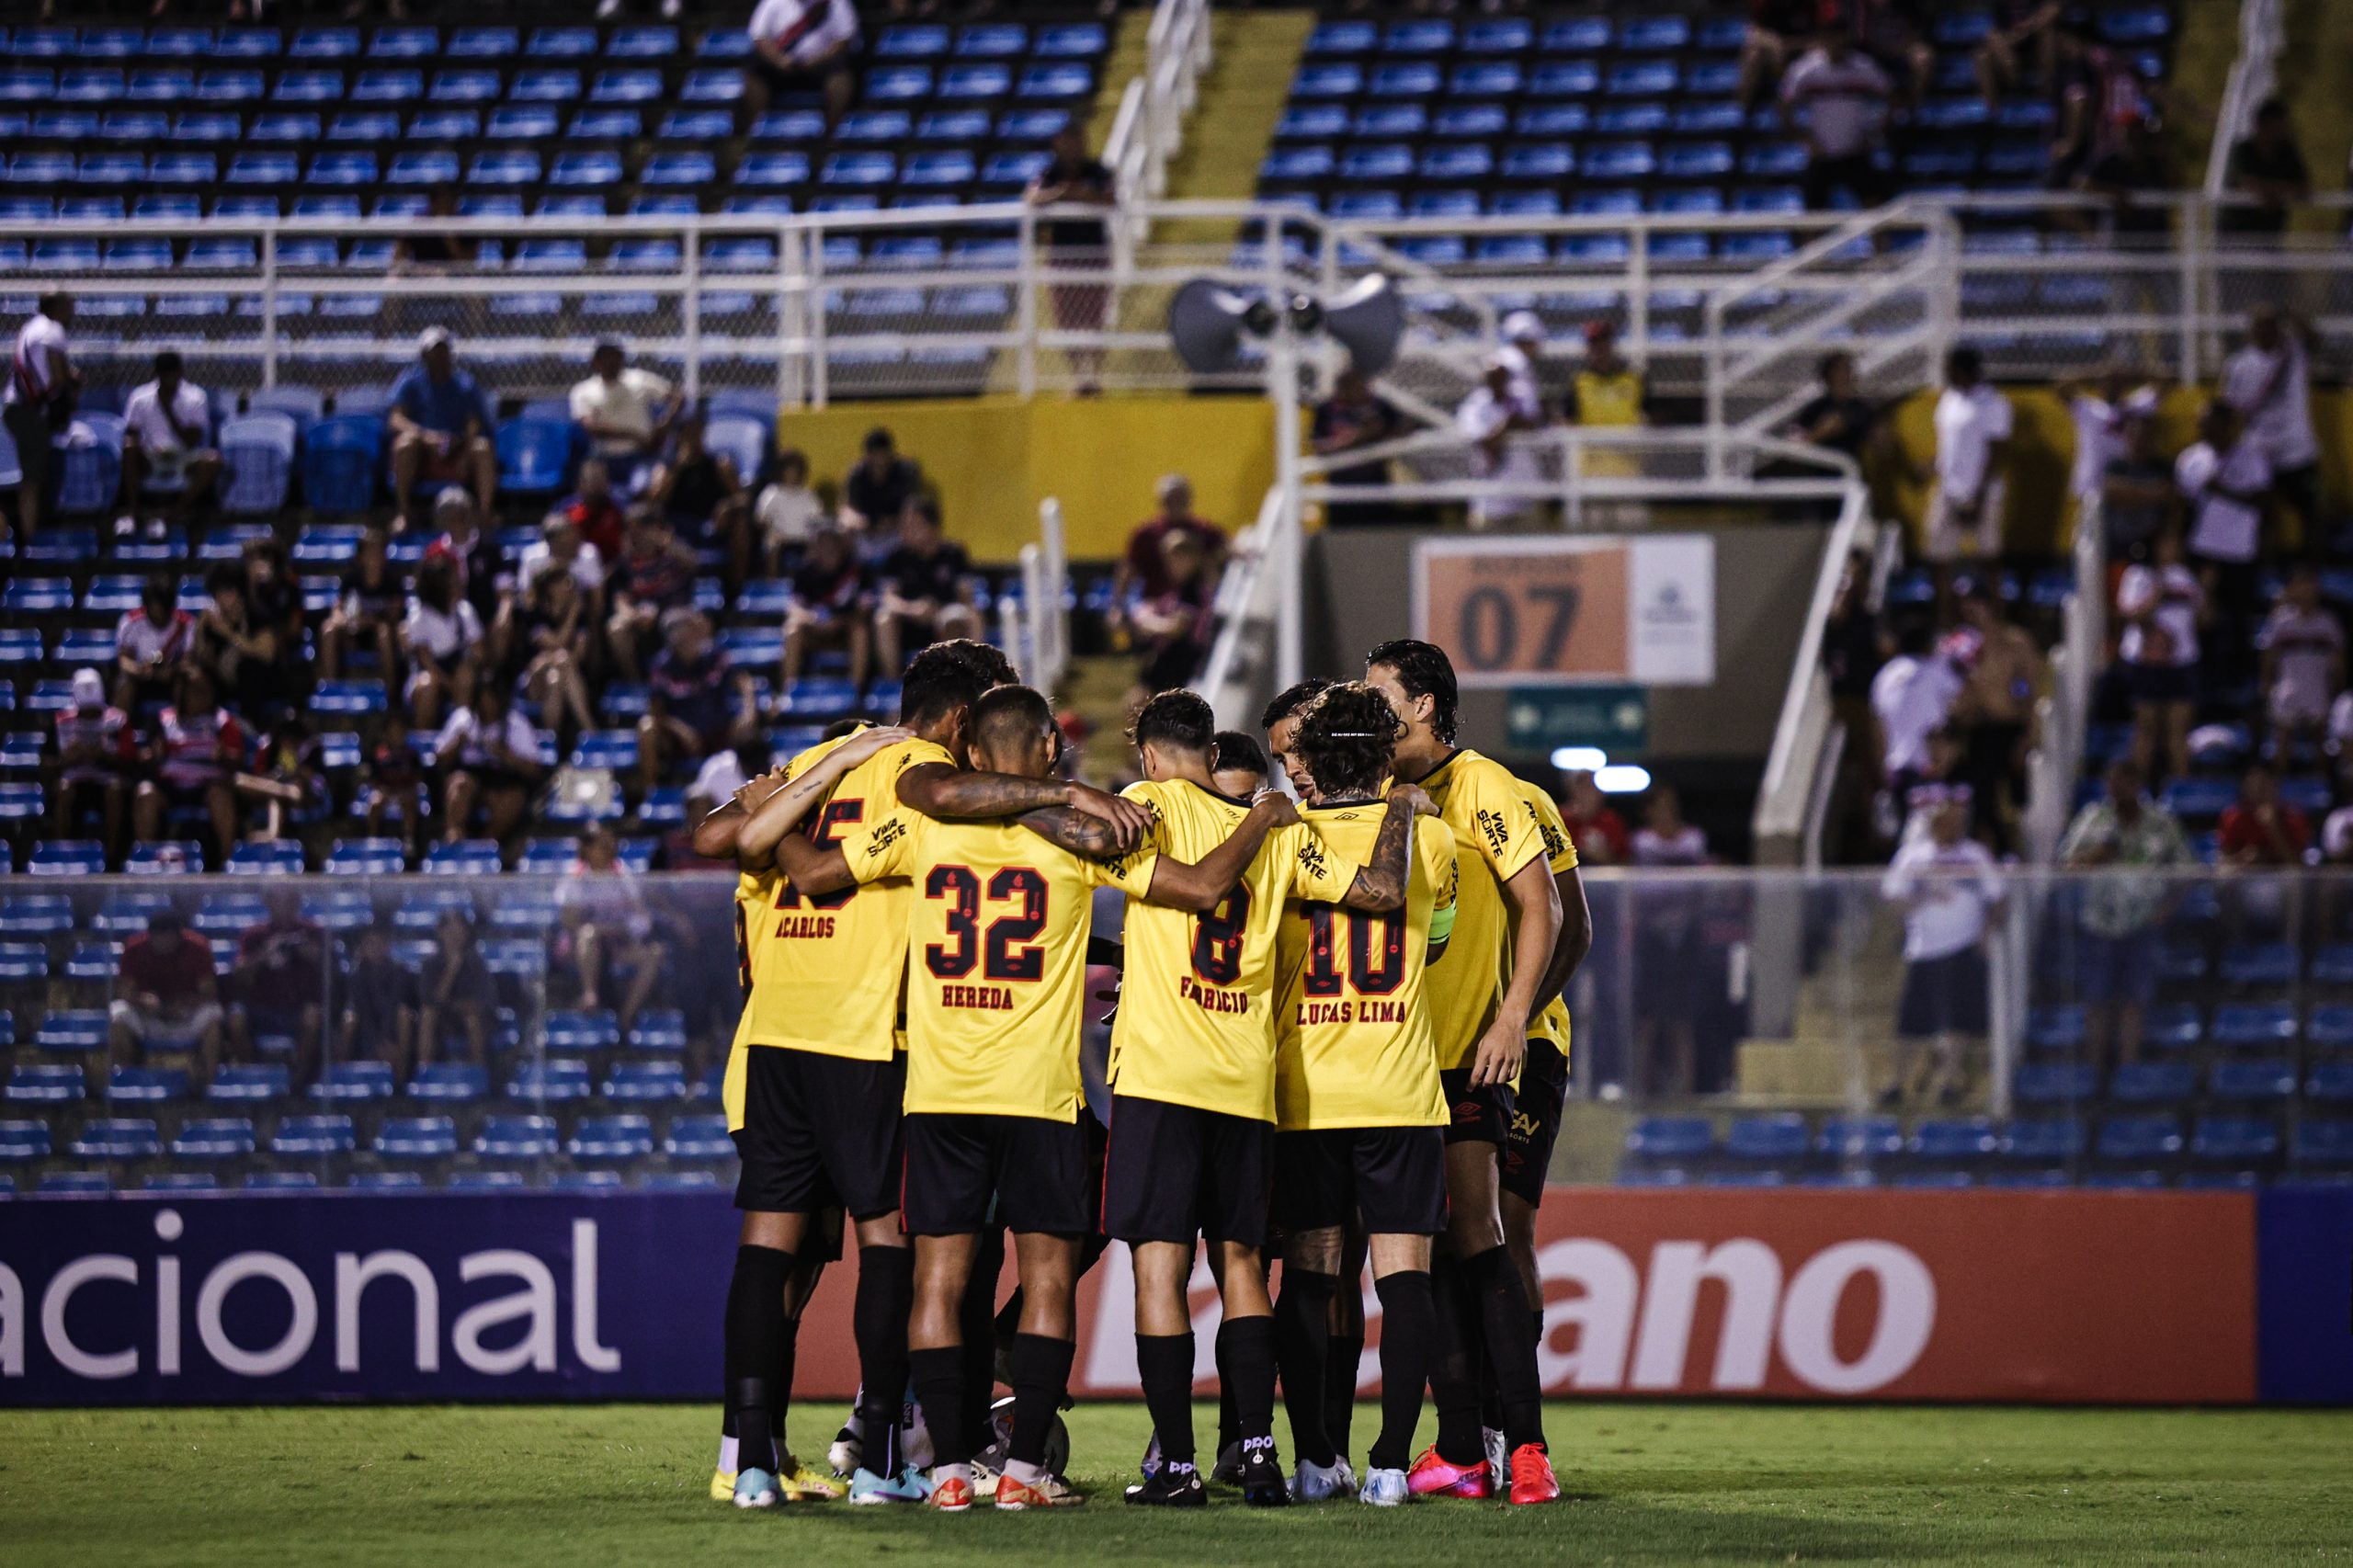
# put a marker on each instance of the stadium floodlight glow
(1580, 759)
(1622, 779)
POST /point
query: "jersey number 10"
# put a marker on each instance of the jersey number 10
(1376, 952)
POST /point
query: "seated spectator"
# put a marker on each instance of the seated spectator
(1995, 710)
(489, 756)
(199, 746)
(1142, 567)
(1970, 497)
(1840, 98)
(440, 250)
(1172, 629)
(2268, 381)
(2163, 606)
(803, 46)
(696, 702)
(441, 640)
(167, 448)
(236, 648)
(166, 1002)
(2119, 916)
(2225, 480)
(595, 510)
(378, 1017)
(926, 588)
(1353, 417)
(367, 614)
(279, 983)
(392, 786)
(288, 774)
(561, 545)
(654, 576)
(2259, 831)
(441, 423)
(1947, 885)
(705, 497)
(95, 753)
(1838, 416)
(1594, 827)
(789, 511)
(878, 487)
(2019, 27)
(460, 539)
(2138, 501)
(608, 936)
(626, 414)
(2303, 666)
(150, 643)
(2265, 177)
(274, 599)
(546, 635)
(832, 607)
(1239, 769)
(456, 996)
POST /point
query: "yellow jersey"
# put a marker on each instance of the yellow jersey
(996, 959)
(1561, 853)
(1356, 1048)
(1197, 998)
(1495, 837)
(1611, 402)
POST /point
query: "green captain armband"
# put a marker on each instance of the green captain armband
(1442, 925)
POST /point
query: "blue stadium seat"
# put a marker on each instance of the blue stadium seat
(2265, 1081)
(2056, 1083)
(354, 1082)
(611, 1140)
(1671, 1137)
(659, 1030)
(2139, 1139)
(2253, 1025)
(558, 1080)
(1962, 1139)
(245, 1083)
(2234, 1141)
(416, 1138)
(516, 1138)
(449, 1082)
(1781, 1138)
(483, 1181)
(699, 1138)
(594, 1029)
(24, 1142)
(146, 1085)
(2323, 1144)
(659, 1083)
(45, 1083)
(214, 1140)
(117, 1137)
(2043, 1140)
(2154, 1083)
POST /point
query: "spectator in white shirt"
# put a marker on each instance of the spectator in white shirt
(788, 511)
(1489, 419)
(2099, 406)
(1912, 696)
(489, 756)
(2303, 666)
(1840, 96)
(1947, 884)
(2162, 606)
(167, 444)
(802, 46)
(2268, 380)
(1971, 494)
(723, 772)
(2225, 478)
(626, 412)
(43, 383)
(1523, 353)
(559, 544)
(441, 639)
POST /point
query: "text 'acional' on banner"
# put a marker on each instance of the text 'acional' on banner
(1547, 610)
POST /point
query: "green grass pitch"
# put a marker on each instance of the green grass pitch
(584, 1486)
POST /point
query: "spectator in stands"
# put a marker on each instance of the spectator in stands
(455, 993)
(594, 509)
(2138, 166)
(2225, 478)
(436, 251)
(655, 574)
(926, 584)
(1776, 28)
(1948, 885)
(1912, 696)
(378, 1017)
(1995, 709)
(1838, 416)
(459, 538)
(832, 607)
(608, 936)
(279, 981)
(1669, 951)
(705, 497)
(626, 414)
(1941, 781)
(2163, 606)
(288, 774)
(273, 602)
(696, 702)
(1080, 244)
(166, 1000)
(1488, 420)
(2268, 381)
(547, 636)
(2303, 666)
(879, 485)
(199, 745)
(1607, 392)
(2119, 914)
(2260, 831)
(803, 46)
(1142, 565)
(167, 445)
(1840, 97)
(2138, 501)
(560, 548)
(42, 386)
(1241, 767)
(489, 756)
(1970, 497)
(150, 643)
(96, 750)
(1594, 827)
(723, 772)
(441, 422)
(788, 511)
(2098, 406)
(367, 613)
(1889, 32)
(1355, 416)
(2018, 26)
(1853, 649)
(393, 783)
(1523, 350)
(1172, 629)
(2265, 177)
(441, 638)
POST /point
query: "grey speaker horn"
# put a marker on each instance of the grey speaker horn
(1205, 324)
(1369, 321)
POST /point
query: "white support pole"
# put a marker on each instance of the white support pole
(270, 306)
(1027, 358)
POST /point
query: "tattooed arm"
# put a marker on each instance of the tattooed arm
(1380, 887)
(757, 842)
(954, 794)
(1203, 886)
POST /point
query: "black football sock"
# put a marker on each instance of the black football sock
(938, 1375)
(1165, 1365)
(752, 1335)
(1246, 1362)
(787, 1361)
(1040, 1378)
(1454, 1383)
(1302, 1335)
(1343, 1353)
(1408, 1330)
(1228, 1424)
(1511, 1344)
(978, 1317)
(886, 1292)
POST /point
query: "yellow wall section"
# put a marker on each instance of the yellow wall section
(993, 459)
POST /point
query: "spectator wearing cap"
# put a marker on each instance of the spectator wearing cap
(279, 981)
(167, 445)
(788, 511)
(926, 584)
(625, 412)
(441, 641)
(150, 643)
(2163, 606)
(803, 46)
(199, 745)
(1968, 494)
(2124, 831)
(96, 751)
(2268, 381)
(2303, 666)
(489, 756)
(166, 1000)
(705, 495)
(441, 422)
(1840, 97)
(1355, 416)
(832, 607)
(877, 488)
(1488, 420)
(367, 612)
(42, 386)
(2225, 477)
(655, 574)
(696, 702)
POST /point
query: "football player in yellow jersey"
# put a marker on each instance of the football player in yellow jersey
(996, 970)
(1192, 1075)
(1361, 1114)
(1506, 918)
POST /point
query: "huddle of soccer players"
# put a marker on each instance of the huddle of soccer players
(1322, 1017)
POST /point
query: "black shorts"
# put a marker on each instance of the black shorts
(2162, 683)
(30, 433)
(966, 1174)
(1527, 1152)
(1944, 995)
(791, 82)
(1476, 1116)
(1174, 1172)
(819, 1129)
(1393, 1176)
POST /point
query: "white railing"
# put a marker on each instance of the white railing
(1148, 130)
(2064, 712)
(1785, 798)
(1238, 676)
(2254, 76)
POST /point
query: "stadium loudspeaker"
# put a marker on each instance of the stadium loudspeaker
(1368, 321)
(1205, 324)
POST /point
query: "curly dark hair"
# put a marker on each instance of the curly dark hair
(1424, 670)
(938, 682)
(1291, 700)
(1347, 738)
